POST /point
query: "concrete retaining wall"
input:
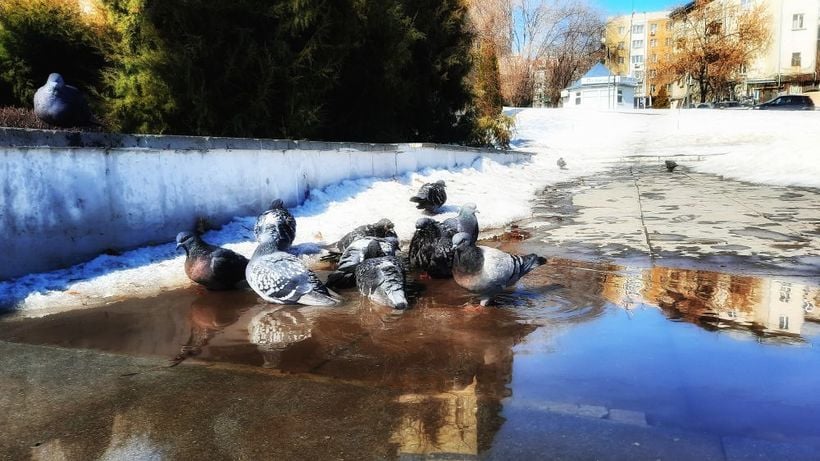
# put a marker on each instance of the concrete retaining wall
(67, 197)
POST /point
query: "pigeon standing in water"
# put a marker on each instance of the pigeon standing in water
(382, 280)
(562, 164)
(278, 221)
(671, 165)
(282, 278)
(211, 266)
(61, 105)
(431, 249)
(383, 228)
(430, 196)
(486, 270)
(364, 248)
(466, 221)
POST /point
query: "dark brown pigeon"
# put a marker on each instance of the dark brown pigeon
(211, 266)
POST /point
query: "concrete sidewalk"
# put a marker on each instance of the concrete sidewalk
(641, 212)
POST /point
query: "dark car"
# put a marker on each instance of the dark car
(788, 102)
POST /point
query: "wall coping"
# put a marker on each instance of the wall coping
(38, 138)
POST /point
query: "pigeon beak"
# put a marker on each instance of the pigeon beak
(179, 245)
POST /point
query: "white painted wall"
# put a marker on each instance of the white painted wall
(63, 205)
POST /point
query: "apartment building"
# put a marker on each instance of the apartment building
(636, 44)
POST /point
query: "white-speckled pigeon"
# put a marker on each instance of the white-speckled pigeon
(671, 165)
(364, 248)
(383, 228)
(211, 266)
(382, 280)
(431, 249)
(278, 221)
(282, 278)
(562, 164)
(486, 270)
(61, 105)
(466, 221)
(430, 196)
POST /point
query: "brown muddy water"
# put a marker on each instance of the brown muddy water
(580, 361)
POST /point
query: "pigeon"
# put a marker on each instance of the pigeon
(62, 105)
(282, 278)
(364, 248)
(562, 164)
(431, 249)
(430, 196)
(382, 280)
(671, 165)
(486, 270)
(277, 220)
(211, 266)
(383, 228)
(464, 222)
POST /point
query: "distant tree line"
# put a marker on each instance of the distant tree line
(358, 70)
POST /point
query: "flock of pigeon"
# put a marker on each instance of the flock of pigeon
(369, 257)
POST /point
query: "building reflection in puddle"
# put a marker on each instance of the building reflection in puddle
(768, 308)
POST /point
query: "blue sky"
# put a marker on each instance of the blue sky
(618, 7)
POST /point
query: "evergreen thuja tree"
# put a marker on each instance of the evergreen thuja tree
(492, 127)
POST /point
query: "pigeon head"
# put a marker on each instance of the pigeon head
(385, 224)
(424, 223)
(461, 240)
(468, 209)
(373, 250)
(277, 204)
(441, 183)
(184, 239)
(55, 79)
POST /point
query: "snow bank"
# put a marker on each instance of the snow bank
(766, 147)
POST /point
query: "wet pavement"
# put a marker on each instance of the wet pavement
(621, 347)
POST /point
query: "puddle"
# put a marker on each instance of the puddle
(661, 348)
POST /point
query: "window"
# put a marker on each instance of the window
(784, 322)
(578, 98)
(621, 30)
(653, 43)
(637, 43)
(620, 45)
(637, 29)
(745, 3)
(639, 75)
(669, 25)
(653, 58)
(797, 21)
(620, 96)
(652, 73)
(653, 28)
(714, 28)
(668, 88)
(668, 41)
(795, 59)
(620, 59)
(637, 59)
(652, 88)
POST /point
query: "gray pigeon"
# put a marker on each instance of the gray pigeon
(383, 228)
(431, 249)
(282, 278)
(486, 270)
(278, 221)
(382, 280)
(211, 266)
(466, 221)
(671, 165)
(62, 105)
(364, 248)
(562, 164)
(430, 196)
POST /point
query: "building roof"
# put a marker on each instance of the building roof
(598, 70)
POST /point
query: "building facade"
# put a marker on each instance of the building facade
(636, 44)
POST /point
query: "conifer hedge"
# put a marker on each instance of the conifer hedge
(358, 70)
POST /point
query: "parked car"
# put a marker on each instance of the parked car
(788, 102)
(704, 105)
